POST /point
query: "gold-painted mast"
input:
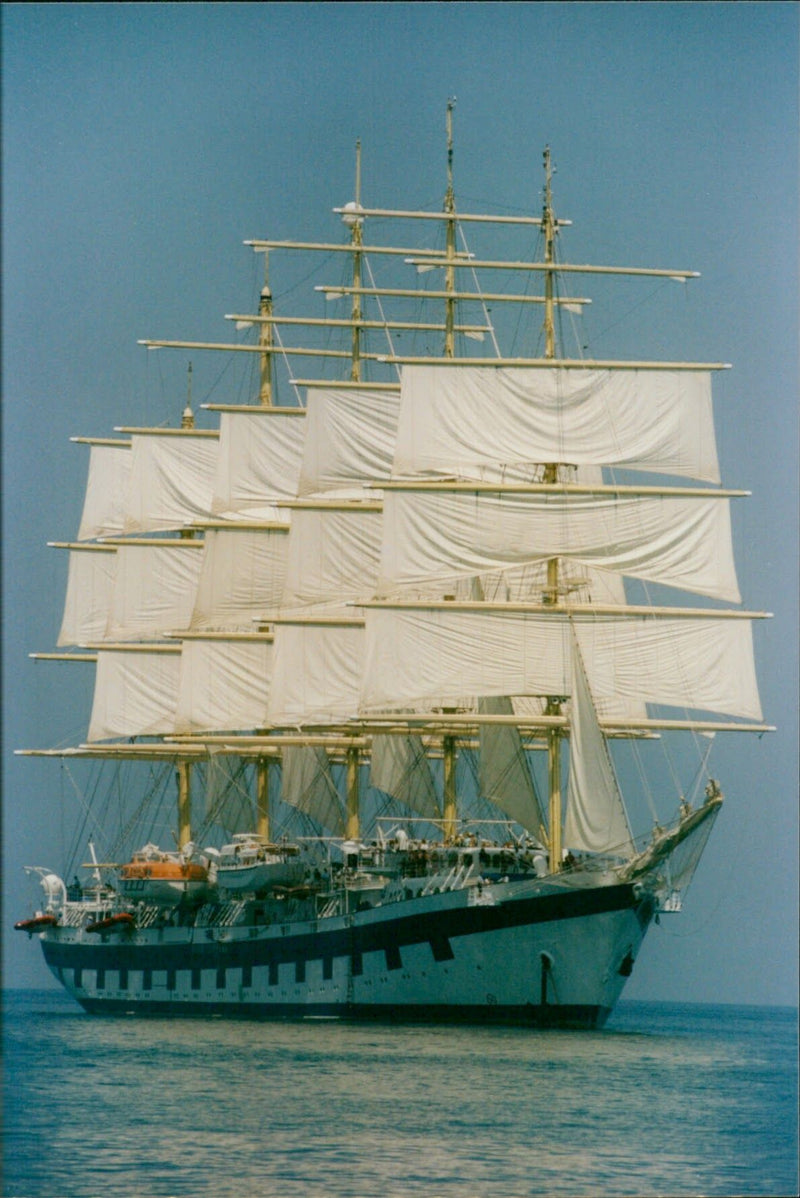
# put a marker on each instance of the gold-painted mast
(184, 770)
(450, 809)
(352, 825)
(187, 417)
(262, 797)
(549, 230)
(550, 477)
(450, 806)
(353, 218)
(187, 423)
(184, 767)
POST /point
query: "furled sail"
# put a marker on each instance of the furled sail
(399, 766)
(350, 438)
(503, 772)
(136, 690)
(224, 683)
(657, 420)
(171, 479)
(425, 654)
(307, 784)
(90, 580)
(241, 577)
(260, 450)
(103, 508)
(316, 671)
(676, 540)
(154, 588)
(596, 820)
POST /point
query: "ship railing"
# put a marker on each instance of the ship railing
(147, 916)
(332, 907)
(221, 915)
(453, 880)
(73, 915)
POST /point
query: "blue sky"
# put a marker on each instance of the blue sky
(143, 143)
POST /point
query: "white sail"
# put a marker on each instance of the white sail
(333, 555)
(316, 672)
(596, 820)
(171, 480)
(260, 451)
(135, 692)
(350, 438)
(154, 588)
(103, 508)
(680, 541)
(90, 579)
(399, 766)
(224, 684)
(307, 784)
(503, 772)
(458, 418)
(430, 655)
(241, 578)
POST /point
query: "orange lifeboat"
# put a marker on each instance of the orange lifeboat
(154, 876)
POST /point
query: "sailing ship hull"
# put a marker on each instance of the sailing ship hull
(516, 952)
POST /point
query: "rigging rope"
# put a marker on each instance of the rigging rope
(485, 310)
(380, 309)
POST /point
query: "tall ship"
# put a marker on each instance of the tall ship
(372, 652)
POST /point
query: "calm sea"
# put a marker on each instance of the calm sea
(667, 1100)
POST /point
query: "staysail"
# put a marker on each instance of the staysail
(308, 785)
(400, 767)
(596, 820)
(503, 772)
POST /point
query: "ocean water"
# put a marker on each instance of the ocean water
(667, 1100)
